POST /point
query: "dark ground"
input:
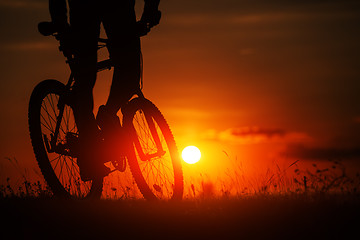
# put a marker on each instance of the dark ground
(261, 217)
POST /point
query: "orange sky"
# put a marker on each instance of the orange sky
(266, 81)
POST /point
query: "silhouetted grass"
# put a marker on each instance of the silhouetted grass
(288, 181)
(23, 187)
(292, 180)
(25, 191)
(288, 203)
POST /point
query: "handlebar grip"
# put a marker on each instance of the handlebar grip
(46, 28)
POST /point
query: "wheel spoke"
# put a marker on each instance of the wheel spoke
(157, 172)
(63, 166)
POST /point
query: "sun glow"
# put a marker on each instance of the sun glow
(191, 154)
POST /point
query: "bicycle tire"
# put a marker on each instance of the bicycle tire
(160, 178)
(42, 114)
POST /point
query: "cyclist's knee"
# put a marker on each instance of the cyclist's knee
(82, 98)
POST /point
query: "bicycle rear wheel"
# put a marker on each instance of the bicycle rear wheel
(154, 160)
(57, 160)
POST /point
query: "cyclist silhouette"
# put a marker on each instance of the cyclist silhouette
(80, 37)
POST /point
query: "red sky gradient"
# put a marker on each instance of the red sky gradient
(263, 81)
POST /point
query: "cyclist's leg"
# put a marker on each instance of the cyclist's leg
(85, 25)
(119, 21)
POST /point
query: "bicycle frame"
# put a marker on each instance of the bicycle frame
(139, 142)
(107, 64)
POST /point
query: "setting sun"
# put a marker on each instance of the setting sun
(191, 154)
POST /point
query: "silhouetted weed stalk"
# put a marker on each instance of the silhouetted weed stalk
(291, 180)
(333, 179)
(26, 188)
(276, 181)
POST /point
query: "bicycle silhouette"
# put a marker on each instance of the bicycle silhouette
(151, 153)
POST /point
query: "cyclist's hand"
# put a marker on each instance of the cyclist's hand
(142, 28)
(151, 17)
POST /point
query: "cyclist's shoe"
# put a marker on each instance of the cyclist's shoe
(91, 158)
(113, 136)
(111, 129)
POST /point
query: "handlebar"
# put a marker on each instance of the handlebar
(49, 29)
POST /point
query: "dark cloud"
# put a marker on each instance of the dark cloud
(256, 131)
(254, 135)
(317, 153)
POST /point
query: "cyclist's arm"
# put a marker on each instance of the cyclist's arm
(58, 13)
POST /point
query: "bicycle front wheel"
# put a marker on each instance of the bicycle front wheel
(56, 157)
(154, 160)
